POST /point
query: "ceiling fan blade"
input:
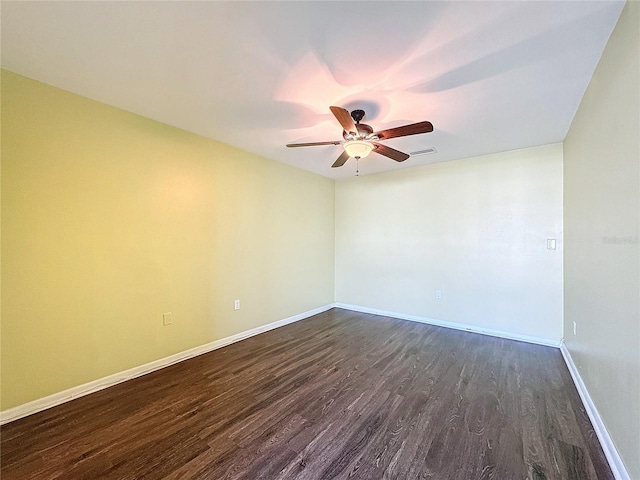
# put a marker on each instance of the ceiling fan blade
(392, 153)
(341, 160)
(412, 129)
(344, 117)
(313, 144)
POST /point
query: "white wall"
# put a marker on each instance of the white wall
(475, 229)
(602, 251)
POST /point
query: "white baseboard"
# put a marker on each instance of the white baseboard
(457, 326)
(615, 462)
(108, 381)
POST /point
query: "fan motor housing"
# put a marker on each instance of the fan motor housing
(363, 130)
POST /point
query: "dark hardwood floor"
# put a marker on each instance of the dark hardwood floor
(338, 395)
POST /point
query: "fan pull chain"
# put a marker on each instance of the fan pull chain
(357, 171)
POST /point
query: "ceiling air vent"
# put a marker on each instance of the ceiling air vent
(426, 151)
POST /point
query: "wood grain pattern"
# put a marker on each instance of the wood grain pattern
(339, 395)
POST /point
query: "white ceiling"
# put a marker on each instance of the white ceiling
(490, 76)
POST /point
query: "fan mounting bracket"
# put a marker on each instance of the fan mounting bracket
(357, 115)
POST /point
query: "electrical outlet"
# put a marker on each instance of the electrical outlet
(236, 305)
(574, 328)
(166, 319)
(438, 293)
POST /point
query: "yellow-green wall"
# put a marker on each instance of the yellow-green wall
(602, 235)
(110, 219)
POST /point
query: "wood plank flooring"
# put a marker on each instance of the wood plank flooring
(338, 395)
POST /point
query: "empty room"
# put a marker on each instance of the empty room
(320, 240)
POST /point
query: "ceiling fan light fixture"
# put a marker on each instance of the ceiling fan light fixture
(361, 139)
(358, 148)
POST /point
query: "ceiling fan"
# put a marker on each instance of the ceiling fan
(360, 139)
